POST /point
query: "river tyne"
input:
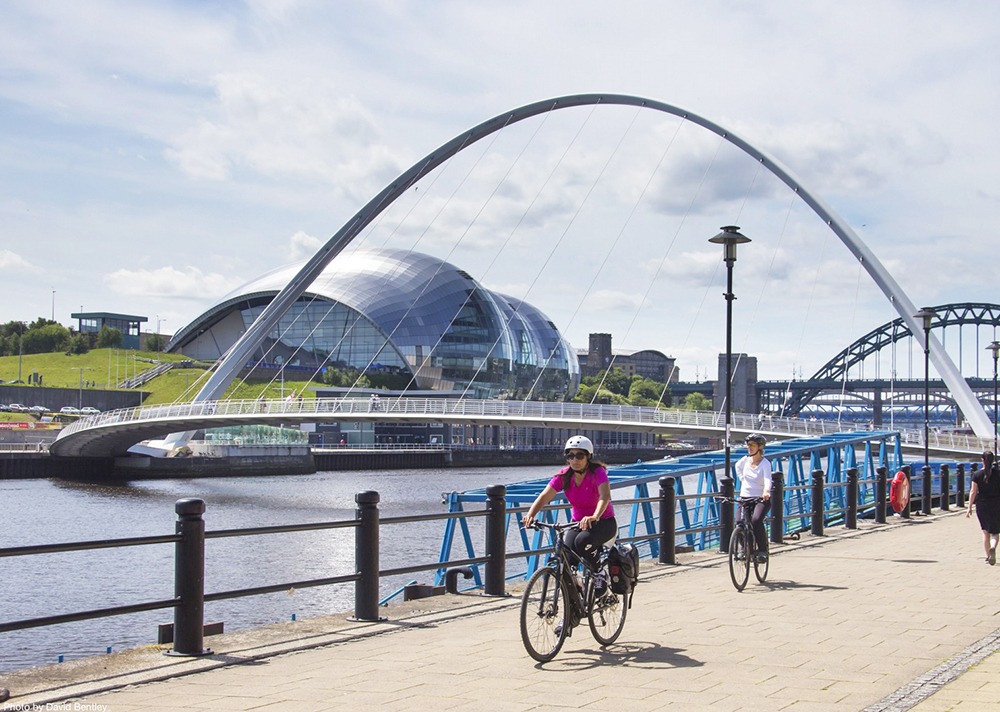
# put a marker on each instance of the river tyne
(61, 511)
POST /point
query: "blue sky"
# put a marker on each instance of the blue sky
(156, 155)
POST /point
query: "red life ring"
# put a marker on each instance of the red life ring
(899, 492)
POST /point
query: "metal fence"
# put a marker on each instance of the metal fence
(823, 504)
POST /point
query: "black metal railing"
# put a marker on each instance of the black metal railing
(190, 535)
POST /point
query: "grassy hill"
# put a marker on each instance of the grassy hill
(106, 368)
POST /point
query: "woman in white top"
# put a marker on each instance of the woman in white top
(754, 471)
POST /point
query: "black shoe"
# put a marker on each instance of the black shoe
(761, 557)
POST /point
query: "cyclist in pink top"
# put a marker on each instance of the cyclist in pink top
(584, 482)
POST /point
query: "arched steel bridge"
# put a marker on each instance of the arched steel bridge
(111, 434)
(237, 355)
(832, 375)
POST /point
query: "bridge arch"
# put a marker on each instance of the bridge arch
(268, 319)
(957, 314)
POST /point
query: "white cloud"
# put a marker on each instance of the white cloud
(189, 283)
(303, 246)
(13, 261)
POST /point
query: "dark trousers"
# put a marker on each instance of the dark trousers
(757, 520)
(587, 544)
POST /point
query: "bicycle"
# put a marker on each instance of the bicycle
(743, 545)
(554, 603)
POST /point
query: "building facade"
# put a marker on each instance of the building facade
(407, 315)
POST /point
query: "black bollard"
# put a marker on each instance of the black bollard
(189, 578)
(960, 485)
(817, 503)
(926, 489)
(668, 536)
(880, 494)
(366, 557)
(726, 516)
(945, 488)
(905, 514)
(777, 508)
(496, 545)
(851, 515)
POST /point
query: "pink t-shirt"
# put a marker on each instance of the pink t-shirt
(585, 496)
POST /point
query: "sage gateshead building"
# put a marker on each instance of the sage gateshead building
(402, 314)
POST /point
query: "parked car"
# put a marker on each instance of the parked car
(89, 410)
(4, 407)
(39, 409)
(69, 410)
(18, 408)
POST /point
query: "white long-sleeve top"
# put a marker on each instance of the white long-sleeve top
(755, 480)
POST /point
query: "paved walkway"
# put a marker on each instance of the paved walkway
(888, 617)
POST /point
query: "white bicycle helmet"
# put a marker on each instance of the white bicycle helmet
(578, 442)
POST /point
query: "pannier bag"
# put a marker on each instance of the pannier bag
(623, 567)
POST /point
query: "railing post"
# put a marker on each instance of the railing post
(945, 488)
(496, 540)
(366, 557)
(926, 489)
(851, 516)
(880, 494)
(905, 514)
(726, 515)
(960, 485)
(777, 507)
(668, 526)
(189, 578)
(817, 503)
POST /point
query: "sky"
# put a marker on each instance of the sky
(157, 155)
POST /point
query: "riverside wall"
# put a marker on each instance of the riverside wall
(40, 465)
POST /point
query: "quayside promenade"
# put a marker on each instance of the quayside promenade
(898, 616)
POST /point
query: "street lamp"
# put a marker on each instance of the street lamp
(729, 238)
(20, 350)
(995, 348)
(926, 315)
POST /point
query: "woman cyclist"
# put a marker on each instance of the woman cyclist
(754, 471)
(584, 481)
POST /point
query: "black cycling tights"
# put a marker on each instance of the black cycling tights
(586, 544)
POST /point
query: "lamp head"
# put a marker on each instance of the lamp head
(926, 315)
(995, 348)
(729, 238)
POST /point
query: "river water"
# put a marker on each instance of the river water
(58, 511)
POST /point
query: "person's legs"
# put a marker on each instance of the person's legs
(587, 544)
(757, 520)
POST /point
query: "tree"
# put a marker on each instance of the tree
(46, 338)
(697, 401)
(77, 344)
(109, 338)
(593, 394)
(647, 392)
(615, 380)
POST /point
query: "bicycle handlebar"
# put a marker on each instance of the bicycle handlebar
(555, 527)
(739, 500)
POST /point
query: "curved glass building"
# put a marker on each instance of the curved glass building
(397, 312)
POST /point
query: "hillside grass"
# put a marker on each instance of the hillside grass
(106, 368)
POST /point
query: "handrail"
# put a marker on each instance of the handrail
(847, 500)
(443, 408)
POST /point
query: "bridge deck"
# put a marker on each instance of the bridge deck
(876, 618)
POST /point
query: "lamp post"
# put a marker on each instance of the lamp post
(729, 238)
(20, 351)
(995, 348)
(926, 315)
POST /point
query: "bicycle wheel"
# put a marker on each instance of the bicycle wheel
(544, 615)
(760, 569)
(739, 558)
(606, 615)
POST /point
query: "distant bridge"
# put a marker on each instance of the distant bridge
(111, 434)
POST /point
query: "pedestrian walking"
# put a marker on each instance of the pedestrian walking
(985, 495)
